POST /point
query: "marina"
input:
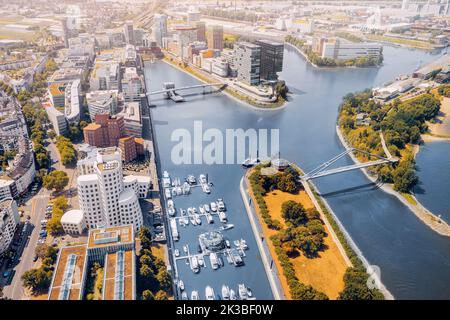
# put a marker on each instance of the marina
(308, 121)
(213, 245)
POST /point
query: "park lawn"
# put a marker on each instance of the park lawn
(324, 273)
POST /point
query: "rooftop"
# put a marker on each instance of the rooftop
(72, 216)
(78, 254)
(110, 236)
(118, 276)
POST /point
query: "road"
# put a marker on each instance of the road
(38, 204)
(35, 207)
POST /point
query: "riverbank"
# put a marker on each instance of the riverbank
(431, 220)
(227, 90)
(440, 128)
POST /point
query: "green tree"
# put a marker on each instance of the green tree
(161, 295)
(147, 295)
(293, 212)
(56, 180)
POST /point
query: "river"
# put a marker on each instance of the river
(414, 260)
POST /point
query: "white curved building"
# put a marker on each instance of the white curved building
(103, 196)
(73, 222)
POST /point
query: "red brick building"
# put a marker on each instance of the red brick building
(131, 148)
(105, 131)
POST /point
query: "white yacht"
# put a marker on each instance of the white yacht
(227, 226)
(232, 295)
(191, 179)
(206, 207)
(177, 253)
(209, 293)
(202, 179)
(195, 295)
(243, 292)
(214, 261)
(181, 285)
(168, 193)
(213, 206)
(209, 218)
(206, 188)
(202, 210)
(221, 205)
(225, 292)
(193, 262)
(197, 218)
(184, 296)
(222, 216)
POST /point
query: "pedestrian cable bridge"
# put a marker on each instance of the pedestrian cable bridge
(321, 171)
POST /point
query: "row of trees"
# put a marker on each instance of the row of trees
(66, 150)
(38, 280)
(60, 205)
(402, 123)
(154, 281)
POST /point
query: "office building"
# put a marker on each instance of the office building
(247, 61)
(215, 37)
(103, 197)
(346, 50)
(201, 31)
(73, 222)
(128, 32)
(271, 59)
(72, 102)
(114, 249)
(160, 28)
(131, 148)
(132, 85)
(101, 102)
(9, 218)
(131, 114)
(105, 131)
(57, 119)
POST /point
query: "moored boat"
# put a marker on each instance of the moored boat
(225, 292)
(209, 293)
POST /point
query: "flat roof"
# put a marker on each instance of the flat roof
(123, 234)
(111, 274)
(76, 280)
(92, 126)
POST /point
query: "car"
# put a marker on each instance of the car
(35, 258)
(6, 274)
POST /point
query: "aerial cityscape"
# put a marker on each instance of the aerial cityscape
(224, 150)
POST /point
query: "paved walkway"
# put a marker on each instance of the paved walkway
(269, 265)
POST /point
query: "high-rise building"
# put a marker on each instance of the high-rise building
(201, 31)
(160, 28)
(247, 61)
(215, 37)
(271, 59)
(405, 4)
(9, 218)
(104, 197)
(128, 32)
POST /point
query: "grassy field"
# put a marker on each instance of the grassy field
(410, 43)
(325, 272)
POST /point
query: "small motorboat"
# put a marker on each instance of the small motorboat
(233, 295)
(198, 220)
(225, 292)
(177, 253)
(202, 179)
(227, 226)
(166, 174)
(227, 243)
(202, 210)
(209, 293)
(195, 295)
(213, 206)
(191, 179)
(243, 292)
(221, 205)
(209, 218)
(206, 207)
(184, 296)
(185, 248)
(181, 285)
(206, 188)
